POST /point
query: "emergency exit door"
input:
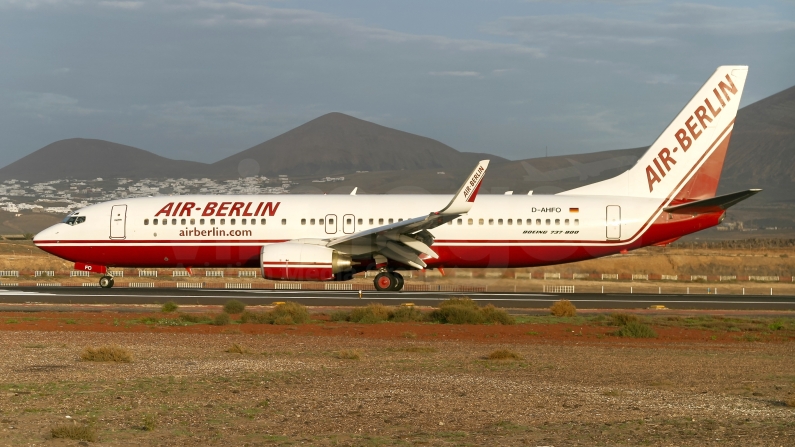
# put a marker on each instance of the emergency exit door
(349, 224)
(331, 224)
(613, 222)
(118, 222)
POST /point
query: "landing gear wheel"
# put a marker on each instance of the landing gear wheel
(385, 281)
(399, 278)
(106, 282)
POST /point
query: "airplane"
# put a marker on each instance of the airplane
(668, 193)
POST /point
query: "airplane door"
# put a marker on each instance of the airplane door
(118, 222)
(613, 222)
(348, 223)
(331, 223)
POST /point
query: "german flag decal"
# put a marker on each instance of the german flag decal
(574, 210)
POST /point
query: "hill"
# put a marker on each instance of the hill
(81, 158)
(336, 143)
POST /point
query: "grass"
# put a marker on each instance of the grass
(149, 422)
(237, 349)
(465, 311)
(222, 319)
(563, 308)
(347, 354)
(622, 319)
(74, 432)
(423, 349)
(504, 354)
(372, 313)
(234, 307)
(169, 307)
(110, 353)
(635, 329)
(285, 313)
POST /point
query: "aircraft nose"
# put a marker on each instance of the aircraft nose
(48, 234)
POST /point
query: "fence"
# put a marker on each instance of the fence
(214, 273)
(339, 286)
(14, 273)
(141, 285)
(148, 273)
(190, 285)
(247, 273)
(559, 289)
(287, 286)
(74, 273)
(38, 273)
(180, 273)
(237, 285)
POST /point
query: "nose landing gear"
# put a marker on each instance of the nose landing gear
(106, 282)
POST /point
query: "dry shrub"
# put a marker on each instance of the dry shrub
(372, 313)
(237, 349)
(465, 311)
(347, 354)
(563, 308)
(149, 423)
(234, 307)
(504, 354)
(222, 319)
(635, 329)
(110, 353)
(75, 432)
(404, 314)
(169, 307)
(340, 315)
(285, 313)
(622, 319)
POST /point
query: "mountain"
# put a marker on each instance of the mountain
(762, 150)
(336, 143)
(81, 158)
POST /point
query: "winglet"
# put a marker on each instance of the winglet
(465, 197)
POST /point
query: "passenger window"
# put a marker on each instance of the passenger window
(320, 221)
(284, 222)
(480, 221)
(303, 221)
(81, 219)
(242, 221)
(231, 221)
(391, 220)
(201, 221)
(491, 221)
(173, 221)
(165, 221)
(223, 221)
(371, 221)
(567, 221)
(469, 221)
(154, 221)
(193, 221)
(557, 221)
(146, 221)
(360, 221)
(538, 221)
(330, 221)
(184, 222)
(212, 221)
(450, 223)
(510, 221)
(576, 221)
(381, 221)
(518, 221)
(348, 221)
(253, 222)
(549, 222)
(311, 221)
(262, 221)
(499, 221)
(400, 220)
(529, 221)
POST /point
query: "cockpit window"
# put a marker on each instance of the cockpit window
(74, 220)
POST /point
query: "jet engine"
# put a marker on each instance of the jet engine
(303, 262)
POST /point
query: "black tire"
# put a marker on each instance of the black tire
(384, 281)
(106, 282)
(400, 281)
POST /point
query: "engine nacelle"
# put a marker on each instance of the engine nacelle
(302, 262)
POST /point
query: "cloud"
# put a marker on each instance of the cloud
(45, 104)
(128, 5)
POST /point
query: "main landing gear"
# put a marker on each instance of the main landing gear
(106, 282)
(386, 280)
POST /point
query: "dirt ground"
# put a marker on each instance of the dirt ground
(412, 384)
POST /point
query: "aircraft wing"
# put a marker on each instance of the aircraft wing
(405, 240)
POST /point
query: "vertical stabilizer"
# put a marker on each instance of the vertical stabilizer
(687, 159)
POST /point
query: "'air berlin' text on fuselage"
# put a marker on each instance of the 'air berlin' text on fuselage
(222, 209)
(664, 162)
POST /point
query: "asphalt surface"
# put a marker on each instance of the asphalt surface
(72, 295)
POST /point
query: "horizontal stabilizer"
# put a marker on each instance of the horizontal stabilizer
(712, 204)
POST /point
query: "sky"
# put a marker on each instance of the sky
(204, 79)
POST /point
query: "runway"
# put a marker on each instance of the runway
(72, 295)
